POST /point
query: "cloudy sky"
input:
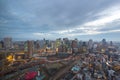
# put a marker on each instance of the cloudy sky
(51, 19)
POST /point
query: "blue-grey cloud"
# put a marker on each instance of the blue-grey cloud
(58, 18)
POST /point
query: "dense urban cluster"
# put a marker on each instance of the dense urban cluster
(60, 59)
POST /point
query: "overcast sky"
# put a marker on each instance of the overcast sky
(51, 19)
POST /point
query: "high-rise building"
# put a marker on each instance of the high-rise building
(58, 42)
(84, 47)
(111, 43)
(30, 45)
(80, 44)
(96, 46)
(66, 42)
(104, 43)
(21, 45)
(90, 45)
(16, 45)
(42, 43)
(7, 43)
(47, 43)
(26, 46)
(74, 46)
(1, 44)
(37, 45)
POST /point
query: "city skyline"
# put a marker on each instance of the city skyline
(24, 20)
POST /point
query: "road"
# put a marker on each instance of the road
(63, 71)
(58, 74)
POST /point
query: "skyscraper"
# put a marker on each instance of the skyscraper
(104, 43)
(90, 45)
(7, 43)
(111, 43)
(1, 44)
(37, 45)
(74, 46)
(30, 48)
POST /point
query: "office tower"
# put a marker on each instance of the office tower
(7, 43)
(30, 45)
(84, 47)
(1, 44)
(42, 43)
(90, 45)
(66, 42)
(74, 46)
(111, 43)
(58, 42)
(104, 43)
(37, 45)
(26, 46)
